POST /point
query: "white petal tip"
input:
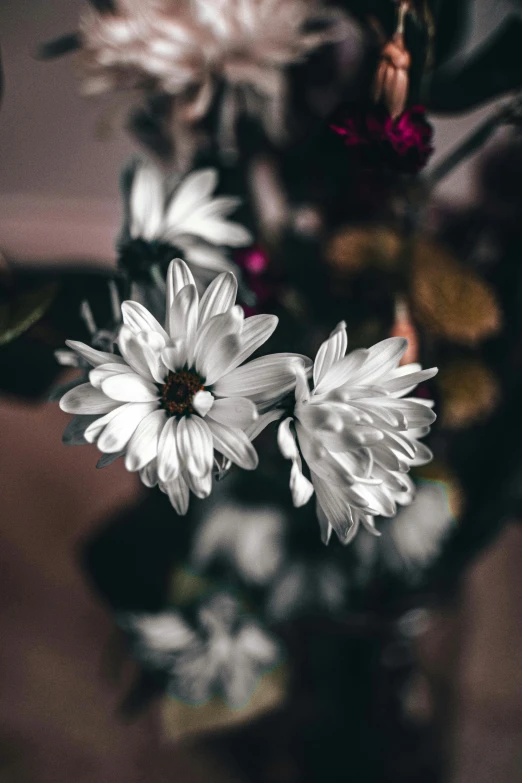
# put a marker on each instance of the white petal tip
(203, 402)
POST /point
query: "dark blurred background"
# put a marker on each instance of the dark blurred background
(59, 690)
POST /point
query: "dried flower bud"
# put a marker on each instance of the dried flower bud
(392, 78)
(404, 327)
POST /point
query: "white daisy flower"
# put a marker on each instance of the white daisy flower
(357, 434)
(177, 394)
(188, 220)
(223, 653)
(249, 538)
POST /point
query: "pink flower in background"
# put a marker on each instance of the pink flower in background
(402, 145)
(255, 264)
(410, 137)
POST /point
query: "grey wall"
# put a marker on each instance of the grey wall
(59, 179)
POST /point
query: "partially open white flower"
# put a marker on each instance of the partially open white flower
(177, 393)
(357, 433)
(188, 218)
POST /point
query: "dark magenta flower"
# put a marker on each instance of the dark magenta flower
(402, 145)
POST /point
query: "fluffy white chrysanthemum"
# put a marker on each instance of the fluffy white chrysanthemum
(249, 538)
(187, 217)
(224, 653)
(357, 433)
(189, 47)
(177, 394)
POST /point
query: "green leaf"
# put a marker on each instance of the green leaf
(23, 310)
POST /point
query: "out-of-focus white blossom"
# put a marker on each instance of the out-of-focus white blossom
(190, 48)
(187, 217)
(248, 538)
(223, 652)
(413, 539)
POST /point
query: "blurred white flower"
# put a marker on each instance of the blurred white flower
(189, 48)
(356, 434)
(249, 538)
(177, 394)
(232, 653)
(304, 586)
(413, 539)
(188, 218)
(224, 653)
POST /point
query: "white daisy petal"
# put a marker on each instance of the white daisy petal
(129, 387)
(210, 337)
(406, 383)
(86, 399)
(219, 297)
(93, 356)
(330, 352)
(178, 276)
(95, 429)
(122, 426)
(146, 201)
(301, 488)
(210, 260)
(286, 440)
(138, 319)
(195, 445)
(174, 357)
(192, 191)
(152, 345)
(234, 445)
(324, 526)
(263, 380)
(132, 353)
(143, 446)
(184, 318)
(104, 371)
(217, 231)
(262, 421)
(381, 358)
(201, 486)
(256, 331)
(234, 412)
(342, 371)
(203, 402)
(149, 474)
(169, 465)
(178, 493)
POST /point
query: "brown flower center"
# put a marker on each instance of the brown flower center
(179, 390)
